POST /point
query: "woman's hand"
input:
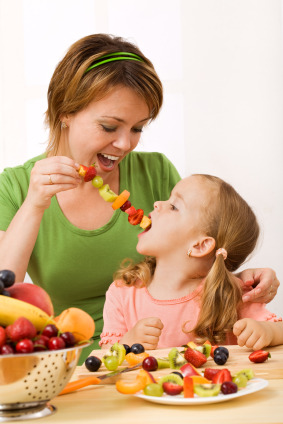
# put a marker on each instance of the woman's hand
(262, 283)
(146, 331)
(253, 334)
(50, 176)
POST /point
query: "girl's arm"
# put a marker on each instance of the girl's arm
(258, 334)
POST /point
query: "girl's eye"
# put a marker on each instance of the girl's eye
(108, 129)
(172, 207)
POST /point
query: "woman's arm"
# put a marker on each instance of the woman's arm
(262, 283)
(17, 243)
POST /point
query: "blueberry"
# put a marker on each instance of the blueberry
(127, 348)
(137, 348)
(7, 277)
(92, 363)
(220, 358)
(222, 349)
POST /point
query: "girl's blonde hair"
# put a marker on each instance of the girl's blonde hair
(234, 227)
(71, 88)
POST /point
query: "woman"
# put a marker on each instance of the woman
(58, 228)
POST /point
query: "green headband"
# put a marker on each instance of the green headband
(114, 56)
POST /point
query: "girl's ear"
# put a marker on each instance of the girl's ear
(202, 247)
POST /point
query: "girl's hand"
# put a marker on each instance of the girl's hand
(252, 334)
(146, 331)
(50, 176)
(262, 282)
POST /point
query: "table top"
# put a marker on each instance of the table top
(103, 404)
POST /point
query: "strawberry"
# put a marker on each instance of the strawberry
(2, 336)
(172, 389)
(221, 376)
(131, 210)
(209, 373)
(259, 356)
(136, 218)
(196, 358)
(213, 347)
(90, 173)
(22, 328)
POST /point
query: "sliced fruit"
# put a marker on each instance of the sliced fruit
(136, 218)
(82, 170)
(126, 206)
(162, 363)
(248, 372)
(189, 370)
(172, 389)
(90, 173)
(204, 390)
(131, 387)
(259, 356)
(197, 359)
(153, 389)
(171, 378)
(111, 362)
(209, 373)
(149, 377)
(176, 360)
(221, 376)
(192, 345)
(188, 387)
(107, 194)
(135, 358)
(199, 379)
(145, 222)
(119, 351)
(121, 199)
(131, 210)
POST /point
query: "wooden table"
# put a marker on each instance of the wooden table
(103, 404)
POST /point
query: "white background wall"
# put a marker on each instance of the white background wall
(221, 65)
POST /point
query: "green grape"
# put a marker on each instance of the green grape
(241, 380)
(111, 363)
(97, 181)
(153, 389)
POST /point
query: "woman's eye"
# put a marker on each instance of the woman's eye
(108, 129)
(172, 207)
(137, 130)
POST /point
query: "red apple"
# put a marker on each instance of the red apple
(32, 294)
(188, 370)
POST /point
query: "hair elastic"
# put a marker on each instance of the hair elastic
(113, 57)
(222, 252)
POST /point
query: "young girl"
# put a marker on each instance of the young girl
(185, 289)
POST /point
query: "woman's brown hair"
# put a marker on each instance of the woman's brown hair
(71, 88)
(233, 225)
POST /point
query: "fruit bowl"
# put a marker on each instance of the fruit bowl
(29, 381)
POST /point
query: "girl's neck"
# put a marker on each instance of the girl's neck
(171, 282)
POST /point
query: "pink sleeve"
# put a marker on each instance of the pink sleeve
(113, 318)
(258, 312)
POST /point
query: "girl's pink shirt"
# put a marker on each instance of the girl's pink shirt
(125, 306)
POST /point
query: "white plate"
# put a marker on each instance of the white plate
(253, 385)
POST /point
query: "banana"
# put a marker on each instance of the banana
(12, 309)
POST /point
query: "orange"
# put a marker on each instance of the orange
(134, 358)
(121, 199)
(78, 322)
(199, 379)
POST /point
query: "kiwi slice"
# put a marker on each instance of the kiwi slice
(176, 360)
(204, 390)
(163, 363)
(116, 350)
(248, 372)
(205, 349)
(171, 378)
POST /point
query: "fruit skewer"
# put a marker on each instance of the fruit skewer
(121, 201)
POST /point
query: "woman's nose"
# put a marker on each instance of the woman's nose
(157, 206)
(123, 142)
